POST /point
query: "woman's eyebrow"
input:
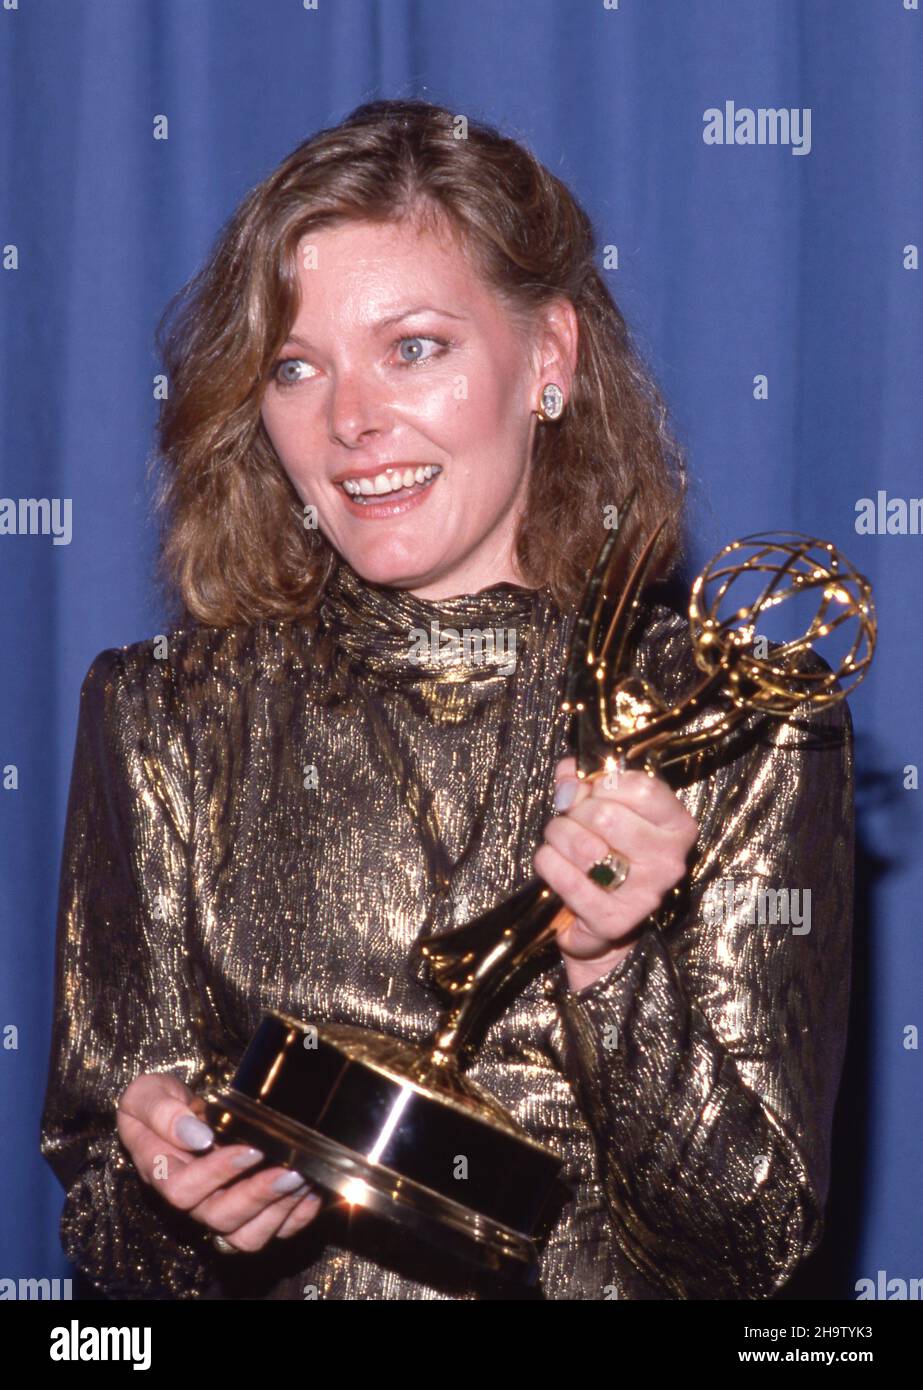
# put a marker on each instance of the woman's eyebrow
(392, 319)
(417, 309)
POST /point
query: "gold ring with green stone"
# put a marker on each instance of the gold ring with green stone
(610, 872)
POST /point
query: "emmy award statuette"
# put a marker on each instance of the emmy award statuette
(380, 1122)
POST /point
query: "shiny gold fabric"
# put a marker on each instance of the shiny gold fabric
(246, 831)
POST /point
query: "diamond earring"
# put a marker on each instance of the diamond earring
(552, 402)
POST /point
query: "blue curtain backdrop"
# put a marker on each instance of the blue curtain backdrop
(734, 262)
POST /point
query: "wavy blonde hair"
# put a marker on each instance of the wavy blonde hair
(234, 547)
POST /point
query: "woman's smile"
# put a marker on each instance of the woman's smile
(374, 504)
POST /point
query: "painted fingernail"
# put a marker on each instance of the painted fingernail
(302, 1191)
(564, 794)
(193, 1133)
(247, 1158)
(287, 1182)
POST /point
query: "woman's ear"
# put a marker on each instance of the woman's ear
(557, 344)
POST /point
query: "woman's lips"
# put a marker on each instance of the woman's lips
(379, 508)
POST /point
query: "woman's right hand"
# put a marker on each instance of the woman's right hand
(158, 1125)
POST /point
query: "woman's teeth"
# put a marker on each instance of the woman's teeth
(384, 484)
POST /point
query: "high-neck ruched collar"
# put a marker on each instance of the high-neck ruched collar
(391, 631)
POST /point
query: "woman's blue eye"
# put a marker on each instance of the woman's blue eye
(282, 363)
(417, 338)
(283, 380)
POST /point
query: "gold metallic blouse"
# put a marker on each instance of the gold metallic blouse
(270, 816)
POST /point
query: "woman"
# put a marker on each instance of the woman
(270, 806)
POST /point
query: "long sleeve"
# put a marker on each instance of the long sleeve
(708, 1061)
(125, 1000)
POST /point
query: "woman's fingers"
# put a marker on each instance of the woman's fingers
(157, 1126)
(589, 832)
(158, 1103)
(631, 814)
(567, 767)
(605, 919)
(174, 1151)
(160, 1130)
(617, 806)
(185, 1180)
(250, 1213)
(216, 1190)
(302, 1215)
(270, 1223)
(650, 797)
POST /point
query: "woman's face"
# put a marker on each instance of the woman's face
(401, 358)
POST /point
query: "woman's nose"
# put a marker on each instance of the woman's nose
(356, 407)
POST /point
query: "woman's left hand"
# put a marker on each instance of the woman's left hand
(630, 814)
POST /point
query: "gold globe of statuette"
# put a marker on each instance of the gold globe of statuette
(792, 564)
